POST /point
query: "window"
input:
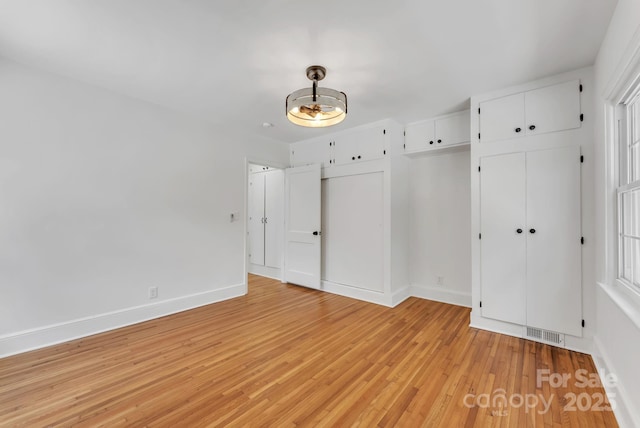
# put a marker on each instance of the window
(629, 190)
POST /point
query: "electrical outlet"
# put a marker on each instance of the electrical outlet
(153, 292)
(440, 280)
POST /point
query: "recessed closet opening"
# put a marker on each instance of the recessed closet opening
(265, 220)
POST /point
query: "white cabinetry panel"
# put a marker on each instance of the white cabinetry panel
(359, 145)
(553, 240)
(553, 108)
(502, 118)
(419, 136)
(452, 130)
(256, 218)
(352, 235)
(548, 109)
(438, 133)
(530, 249)
(503, 248)
(310, 152)
(273, 211)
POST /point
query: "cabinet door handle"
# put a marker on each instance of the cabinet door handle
(518, 129)
(430, 142)
(532, 231)
(532, 127)
(353, 158)
(519, 230)
(358, 156)
(439, 141)
(265, 220)
(316, 233)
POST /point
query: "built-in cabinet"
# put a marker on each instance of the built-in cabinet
(548, 109)
(437, 133)
(364, 210)
(528, 222)
(530, 242)
(265, 221)
(359, 145)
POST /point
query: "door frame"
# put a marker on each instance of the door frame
(255, 161)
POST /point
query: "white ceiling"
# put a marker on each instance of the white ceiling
(234, 62)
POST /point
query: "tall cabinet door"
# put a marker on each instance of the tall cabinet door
(256, 218)
(554, 290)
(273, 212)
(503, 242)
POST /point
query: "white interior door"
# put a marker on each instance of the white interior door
(274, 223)
(503, 247)
(256, 218)
(554, 285)
(302, 225)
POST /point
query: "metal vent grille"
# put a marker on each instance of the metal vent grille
(546, 336)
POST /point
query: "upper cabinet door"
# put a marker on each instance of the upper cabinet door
(371, 143)
(553, 108)
(310, 152)
(452, 130)
(502, 118)
(419, 136)
(345, 148)
(360, 145)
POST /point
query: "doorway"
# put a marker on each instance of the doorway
(265, 220)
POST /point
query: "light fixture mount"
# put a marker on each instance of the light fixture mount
(316, 107)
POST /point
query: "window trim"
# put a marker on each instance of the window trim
(623, 132)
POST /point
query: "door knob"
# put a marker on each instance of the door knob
(532, 127)
(316, 233)
(439, 141)
(518, 129)
(519, 230)
(532, 231)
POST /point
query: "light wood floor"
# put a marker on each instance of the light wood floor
(286, 356)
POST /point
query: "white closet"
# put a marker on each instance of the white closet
(527, 150)
(265, 222)
(531, 239)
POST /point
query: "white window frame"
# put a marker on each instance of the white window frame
(627, 127)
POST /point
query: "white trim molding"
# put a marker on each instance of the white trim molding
(54, 334)
(440, 294)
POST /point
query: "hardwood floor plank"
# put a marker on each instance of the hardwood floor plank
(288, 356)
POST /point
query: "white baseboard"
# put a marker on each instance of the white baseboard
(440, 294)
(370, 296)
(37, 338)
(269, 272)
(400, 296)
(626, 412)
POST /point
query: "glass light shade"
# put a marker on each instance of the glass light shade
(329, 107)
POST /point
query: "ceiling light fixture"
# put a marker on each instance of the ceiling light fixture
(316, 107)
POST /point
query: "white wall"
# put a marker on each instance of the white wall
(440, 224)
(617, 339)
(104, 196)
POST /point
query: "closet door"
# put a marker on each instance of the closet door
(353, 239)
(303, 246)
(256, 218)
(503, 242)
(554, 290)
(274, 224)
